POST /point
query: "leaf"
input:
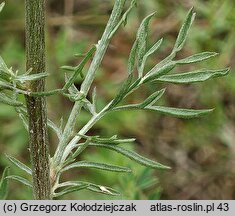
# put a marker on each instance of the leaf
(123, 20)
(122, 92)
(102, 166)
(132, 155)
(80, 148)
(5, 85)
(134, 85)
(92, 187)
(79, 68)
(197, 57)
(153, 49)
(141, 39)
(184, 31)
(56, 129)
(72, 89)
(19, 164)
(152, 98)
(132, 58)
(68, 68)
(70, 189)
(111, 140)
(94, 97)
(178, 112)
(7, 100)
(195, 76)
(154, 74)
(3, 66)
(89, 107)
(4, 183)
(31, 77)
(2, 6)
(21, 180)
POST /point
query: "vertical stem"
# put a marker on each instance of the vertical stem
(35, 59)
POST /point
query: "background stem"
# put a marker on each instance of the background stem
(35, 59)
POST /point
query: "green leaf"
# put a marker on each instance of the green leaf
(92, 187)
(71, 189)
(153, 49)
(110, 140)
(94, 97)
(123, 20)
(102, 166)
(7, 100)
(195, 76)
(21, 180)
(2, 6)
(178, 112)
(79, 68)
(132, 155)
(197, 57)
(19, 164)
(5, 85)
(159, 72)
(31, 77)
(152, 99)
(132, 58)
(184, 31)
(4, 184)
(139, 47)
(72, 89)
(54, 127)
(141, 39)
(3, 66)
(68, 68)
(80, 148)
(122, 92)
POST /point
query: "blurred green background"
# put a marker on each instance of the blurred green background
(201, 152)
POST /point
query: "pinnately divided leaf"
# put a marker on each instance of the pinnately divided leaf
(102, 166)
(4, 184)
(132, 155)
(195, 76)
(20, 164)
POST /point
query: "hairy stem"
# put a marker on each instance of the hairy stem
(98, 57)
(36, 106)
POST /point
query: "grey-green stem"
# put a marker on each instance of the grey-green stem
(98, 57)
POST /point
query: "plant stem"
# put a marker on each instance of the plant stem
(36, 106)
(98, 57)
(83, 131)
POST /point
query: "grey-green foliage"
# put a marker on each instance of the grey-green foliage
(70, 146)
(3, 181)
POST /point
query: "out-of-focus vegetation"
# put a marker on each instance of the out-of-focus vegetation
(201, 152)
